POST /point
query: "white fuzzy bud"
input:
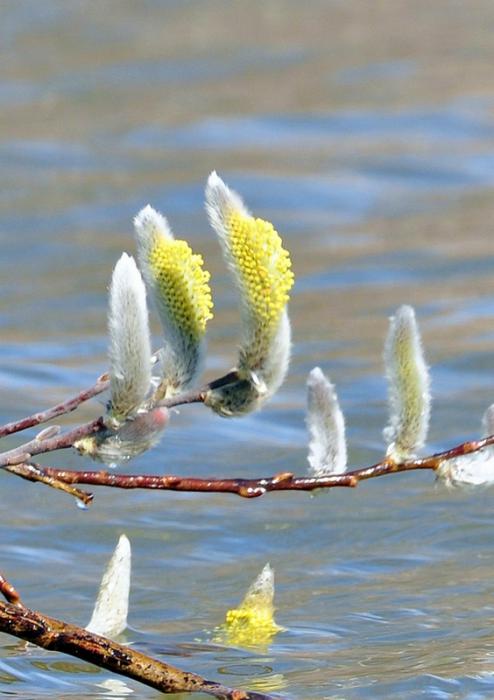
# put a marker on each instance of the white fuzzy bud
(488, 421)
(326, 425)
(130, 345)
(474, 470)
(409, 390)
(109, 617)
(132, 438)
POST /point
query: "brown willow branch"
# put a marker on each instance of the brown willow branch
(52, 634)
(253, 488)
(101, 385)
(199, 395)
(9, 592)
(59, 409)
(41, 444)
(33, 472)
(37, 446)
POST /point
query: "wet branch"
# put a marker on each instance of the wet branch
(18, 460)
(35, 473)
(50, 633)
(9, 592)
(253, 488)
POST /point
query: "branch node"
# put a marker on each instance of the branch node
(251, 491)
(282, 477)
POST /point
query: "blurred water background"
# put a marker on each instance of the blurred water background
(365, 132)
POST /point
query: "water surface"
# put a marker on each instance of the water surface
(366, 134)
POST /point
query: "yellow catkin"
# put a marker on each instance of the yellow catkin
(182, 284)
(263, 265)
(247, 626)
(252, 622)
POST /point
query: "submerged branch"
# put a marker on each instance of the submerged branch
(55, 635)
(253, 488)
(9, 592)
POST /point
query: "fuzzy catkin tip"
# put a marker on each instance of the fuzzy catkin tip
(109, 617)
(409, 387)
(130, 344)
(488, 421)
(326, 426)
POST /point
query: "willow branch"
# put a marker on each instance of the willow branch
(199, 395)
(37, 446)
(34, 473)
(41, 445)
(55, 635)
(9, 592)
(59, 409)
(253, 488)
(101, 385)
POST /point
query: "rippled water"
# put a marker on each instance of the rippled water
(365, 132)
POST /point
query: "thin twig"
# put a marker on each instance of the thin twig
(59, 442)
(193, 396)
(34, 473)
(253, 488)
(101, 385)
(41, 445)
(56, 635)
(60, 409)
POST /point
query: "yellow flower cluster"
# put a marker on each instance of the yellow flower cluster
(263, 264)
(252, 623)
(183, 283)
(250, 626)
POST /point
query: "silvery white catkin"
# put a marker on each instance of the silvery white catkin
(132, 438)
(326, 426)
(476, 469)
(252, 623)
(130, 344)
(131, 425)
(408, 387)
(488, 421)
(261, 590)
(109, 617)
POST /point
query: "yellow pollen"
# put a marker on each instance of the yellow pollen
(182, 284)
(250, 626)
(263, 264)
